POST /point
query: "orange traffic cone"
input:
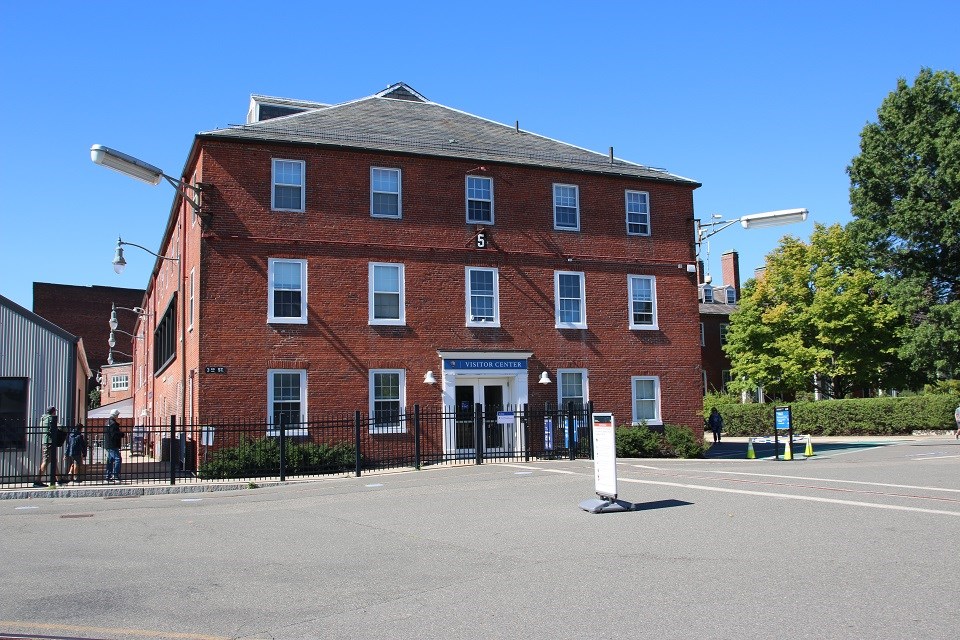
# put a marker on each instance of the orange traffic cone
(750, 454)
(809, 451)
(788, 449)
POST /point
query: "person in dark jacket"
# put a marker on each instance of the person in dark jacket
(112, 439)
(715, 422)
(76, 452)
(48, 422)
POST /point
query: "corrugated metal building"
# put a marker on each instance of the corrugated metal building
(41, 365)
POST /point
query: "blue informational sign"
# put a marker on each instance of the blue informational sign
(782, 417)
(484, 365)
(548, 434)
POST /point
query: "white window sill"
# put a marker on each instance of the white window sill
(645, 327)
(286, 321)
(388, 323)
(379, 431)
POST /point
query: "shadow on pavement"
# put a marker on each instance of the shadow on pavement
(730, 450)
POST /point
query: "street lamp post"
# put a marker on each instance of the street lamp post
(763, 220)
(140, 170)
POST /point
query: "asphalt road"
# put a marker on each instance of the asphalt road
(859, 542)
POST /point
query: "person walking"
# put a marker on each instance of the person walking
(48, 422)
(112, 438)
(715, 422)
(956, 418)
(76, 452)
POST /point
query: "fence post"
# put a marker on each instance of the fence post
(525, 418)
(571, 433)
(478, 431)
(589, 419)
(283, 447)
(416, 436)
(356, 442)
(170, 444)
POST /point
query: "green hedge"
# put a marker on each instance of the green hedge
(855, 417)
(639, 441)
(259, 458)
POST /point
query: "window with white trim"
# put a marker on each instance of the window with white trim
(287, 192)
(120, 382)
(386, 300)
(638, 213)
(190, 308)
(707, 294)
(479, 200)
(572, 387)
(287, 296)
(724, 327)
(731, 295)
(387, 397)
(646, 399)
(483, 297)
(286, 400)
(570, 300)
(566, 207)
(385, 193)
(643, 302)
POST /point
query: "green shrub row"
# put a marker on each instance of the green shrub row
(261, 457)
(639, 441)
(854, 417)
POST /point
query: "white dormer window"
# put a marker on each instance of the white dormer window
(708, 294)
(731, 295)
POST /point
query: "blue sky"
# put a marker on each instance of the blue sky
(762, 102)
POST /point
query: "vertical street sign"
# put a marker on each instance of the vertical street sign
(605, 467)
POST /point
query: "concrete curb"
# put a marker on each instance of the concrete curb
(129, 492)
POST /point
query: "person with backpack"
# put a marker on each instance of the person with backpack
(112, 438)
(76, 452)
(715, 422)
(51, 440)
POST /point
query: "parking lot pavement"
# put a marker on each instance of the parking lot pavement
(856, 545)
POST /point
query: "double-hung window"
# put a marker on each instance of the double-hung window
(643, 302)
(724, 328)
(566, 207)
(479, 200)
(638, 213)
(385, 193)
(386, 304)
(286, 400)
(287, 301)
(288, 192)
(120, 382)
(646, 399)
(387, 396)
(483, 306)
(571, 300)
(571, 387)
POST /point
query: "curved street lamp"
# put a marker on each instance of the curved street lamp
(751, 221)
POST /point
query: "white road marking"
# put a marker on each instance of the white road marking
(523, 473)
(941, 457)
(191, 499)
(18, 508)
(378, 484)
(787, 496)
(869, 484)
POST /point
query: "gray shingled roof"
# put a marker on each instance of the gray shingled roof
(397, 120)
(717, 308)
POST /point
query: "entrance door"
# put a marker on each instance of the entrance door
(491, 394)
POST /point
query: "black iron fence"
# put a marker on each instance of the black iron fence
(344, 444)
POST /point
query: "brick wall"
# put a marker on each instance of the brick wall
(339, 238)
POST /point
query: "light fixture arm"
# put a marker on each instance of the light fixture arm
(181, 188)
(121, 242)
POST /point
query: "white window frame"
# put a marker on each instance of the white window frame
(655, 324)
(120, 382)
(495, 322)
(584, 380)
(274, 184)
(271, 428)
(466, 193)
(658, 417)
(371, 269)
(731, 295)
(646, 214)
(271, 318)
(707, 294)
(556, 301)
(402, 426)
(192, 300)
(724, 328)
(576, 191)
(399, 193)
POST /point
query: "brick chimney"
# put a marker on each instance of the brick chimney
(730, 262)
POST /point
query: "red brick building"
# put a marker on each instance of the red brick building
(716, 305)
(346, 256)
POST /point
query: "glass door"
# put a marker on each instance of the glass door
(492, 395)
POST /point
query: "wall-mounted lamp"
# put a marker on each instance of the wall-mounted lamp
(545, 378)
(428, 378)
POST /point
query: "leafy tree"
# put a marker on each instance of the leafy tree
(905, 198)
(814, 318)
(93, 398)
